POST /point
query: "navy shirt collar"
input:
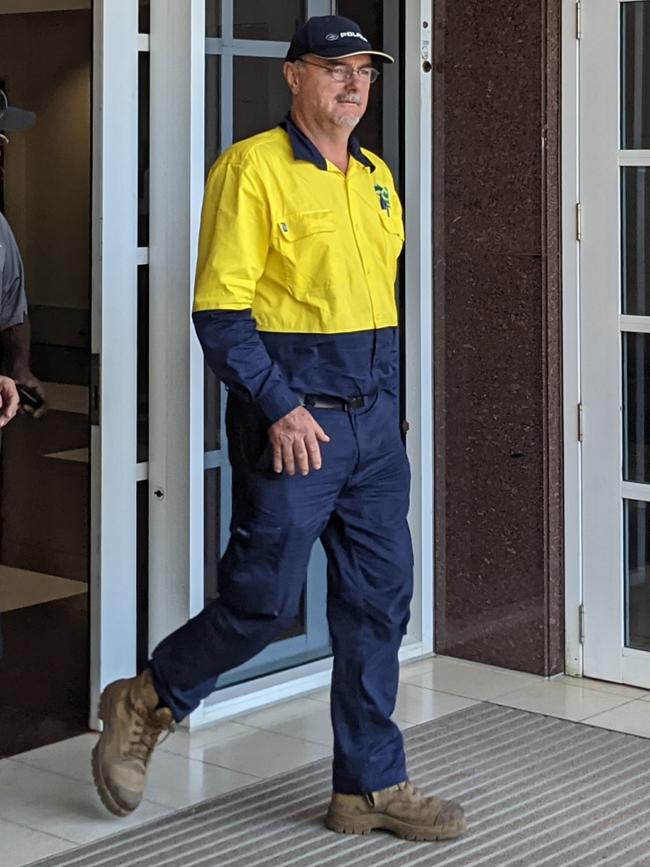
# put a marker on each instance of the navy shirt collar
(305, 149)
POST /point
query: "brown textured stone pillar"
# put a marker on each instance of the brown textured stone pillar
(499, 582)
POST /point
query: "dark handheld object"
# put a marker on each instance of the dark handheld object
(29, 397)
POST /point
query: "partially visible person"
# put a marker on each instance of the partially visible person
(15, 330)
(14, 322)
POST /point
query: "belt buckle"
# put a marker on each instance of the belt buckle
(354, 403)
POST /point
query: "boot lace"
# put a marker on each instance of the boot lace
(144, 733)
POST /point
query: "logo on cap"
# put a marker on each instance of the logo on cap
(331, 37)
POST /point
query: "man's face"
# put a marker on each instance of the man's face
(324, 100)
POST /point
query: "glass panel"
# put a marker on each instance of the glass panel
(143, 364)
(636, 522)
(213, 18)
(144, 16)
(143, 149)
(635, 233)
(635, 74)
(261, 97)
(636, 407)
(259, 19)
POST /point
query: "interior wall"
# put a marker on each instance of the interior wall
(47, 169)
(498, 368)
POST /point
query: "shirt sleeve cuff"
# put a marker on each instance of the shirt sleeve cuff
(277, 401)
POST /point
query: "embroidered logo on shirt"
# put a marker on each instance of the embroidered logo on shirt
(384, 197)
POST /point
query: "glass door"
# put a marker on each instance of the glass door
(615, 305)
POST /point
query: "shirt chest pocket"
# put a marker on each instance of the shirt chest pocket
(306, 242)
(393, 235)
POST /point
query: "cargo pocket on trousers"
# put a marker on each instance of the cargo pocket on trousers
(250, 570)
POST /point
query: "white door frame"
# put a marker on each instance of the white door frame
(114, 340)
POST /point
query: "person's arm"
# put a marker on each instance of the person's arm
(17, 344)
(233, 245)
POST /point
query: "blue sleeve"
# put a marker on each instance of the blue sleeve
(235, 352)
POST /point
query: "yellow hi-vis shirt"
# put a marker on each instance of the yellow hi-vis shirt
(310, 250)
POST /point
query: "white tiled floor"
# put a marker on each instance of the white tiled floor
(48, 803)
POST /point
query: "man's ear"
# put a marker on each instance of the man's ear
(291, 76)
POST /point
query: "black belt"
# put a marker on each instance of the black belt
(323, 401)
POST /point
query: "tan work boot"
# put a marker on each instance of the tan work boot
(132, 723)
(403, 809)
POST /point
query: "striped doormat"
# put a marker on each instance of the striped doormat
(536, 790)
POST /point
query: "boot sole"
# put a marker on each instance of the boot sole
(364, 824)
(102, 789)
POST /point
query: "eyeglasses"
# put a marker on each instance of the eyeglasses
(343, 72)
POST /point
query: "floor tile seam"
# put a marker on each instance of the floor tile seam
(69, 776)
(473, 696)
(501, 702)
(27, 827)
(645, 694)
(616, 707)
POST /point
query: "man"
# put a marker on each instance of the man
(295, 309)
(15, 330)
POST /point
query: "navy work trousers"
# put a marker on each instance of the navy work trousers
(357, 505)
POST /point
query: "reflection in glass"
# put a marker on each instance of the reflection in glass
(212, 394)
(142, 574)
(211, 531)
(143, 364)
(635, 74)
(212, 18)
(635, 237)
(143, 149)
(259, 19)
(212, 114)
(261, 96)
(144, 16)
(636, 524)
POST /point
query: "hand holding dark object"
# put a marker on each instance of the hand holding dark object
(295, 441)
(32, 394)
(9, 400)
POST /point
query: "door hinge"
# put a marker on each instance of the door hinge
(94, 389)
(581, 422)
(579, 221)
(578, 20)
(581, 624)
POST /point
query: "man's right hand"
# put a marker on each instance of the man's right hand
(9, 400)
(295, 442)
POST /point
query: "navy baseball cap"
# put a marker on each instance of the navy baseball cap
(332, 37)
(14, 119)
